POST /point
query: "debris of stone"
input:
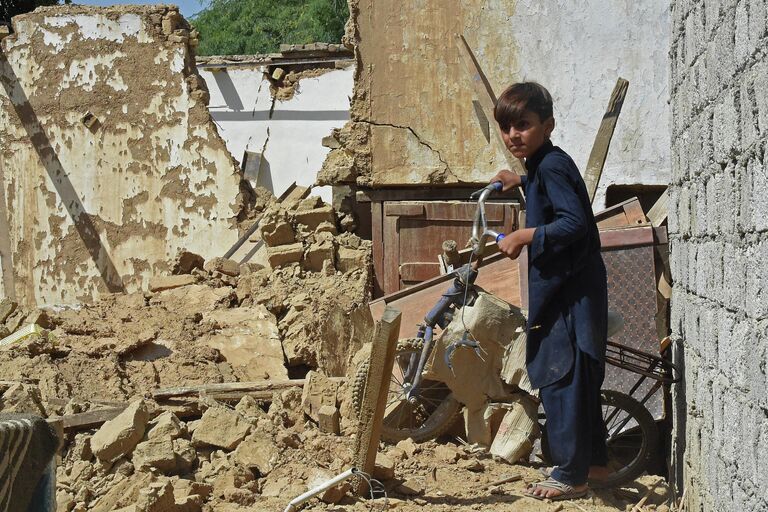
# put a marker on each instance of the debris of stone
(160, 283)
(186, 261)
(220, 427)
(385, 468)
(225, 266)
(121, 434)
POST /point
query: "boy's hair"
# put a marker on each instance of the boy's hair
(517, 98)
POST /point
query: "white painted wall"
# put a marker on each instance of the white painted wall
(290, 139)
(577, 49)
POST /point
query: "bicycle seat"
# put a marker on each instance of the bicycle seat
(615, 323)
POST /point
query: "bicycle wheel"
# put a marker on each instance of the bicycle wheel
(433, 413)
(632, 438)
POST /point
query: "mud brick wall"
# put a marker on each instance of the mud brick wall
(110, 160)
(719, 241)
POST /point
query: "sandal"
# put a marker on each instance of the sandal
(567, 491)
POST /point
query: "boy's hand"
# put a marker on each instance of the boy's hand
(508, 179)
(512, 244)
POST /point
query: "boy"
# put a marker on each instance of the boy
(567, 291)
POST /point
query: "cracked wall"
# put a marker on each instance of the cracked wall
(110, 160)
(413, 119)
(718, 231)
(284, 137)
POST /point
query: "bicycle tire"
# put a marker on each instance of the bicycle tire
(433, 415)
(631, 450)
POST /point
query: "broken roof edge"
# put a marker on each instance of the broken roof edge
(288, 52)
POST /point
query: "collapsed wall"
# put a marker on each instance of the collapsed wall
(413, 119)
(110, 160)
(719, 243)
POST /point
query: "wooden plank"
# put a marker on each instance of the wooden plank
(6, 258)
(89, 419)
(658, 212)
(403, 209)
(498, 275)
(487, 99)
(455, 211)
(419, 271)
(377, 236)
(229, 387)
(391, 281)
(374, 400)
(415, 194)
(625, 214)
(603, 139)
(627, 237)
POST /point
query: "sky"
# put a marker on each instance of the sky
(188, 7)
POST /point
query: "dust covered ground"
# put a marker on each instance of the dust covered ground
(299, 311)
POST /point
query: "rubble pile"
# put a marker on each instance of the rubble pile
(206, 322)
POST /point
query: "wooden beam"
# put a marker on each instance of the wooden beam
(263, 386)
(626, 237)
(658, 212)
(599, 152)
(374, 401)
(486, 99)
(89, 419)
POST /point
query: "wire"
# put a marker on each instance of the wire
(378, 488)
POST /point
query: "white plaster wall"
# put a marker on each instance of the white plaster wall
(577, 49)
(290, 138)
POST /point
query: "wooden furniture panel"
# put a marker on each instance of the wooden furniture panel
(413, 232)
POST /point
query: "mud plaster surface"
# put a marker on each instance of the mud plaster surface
(413, 95)
(100, 208)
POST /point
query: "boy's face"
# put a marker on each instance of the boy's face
(527, 135)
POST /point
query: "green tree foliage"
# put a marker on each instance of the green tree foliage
(244, 27)
(10, 8)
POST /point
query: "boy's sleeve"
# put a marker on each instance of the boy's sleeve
(523, 182)
(570, 222)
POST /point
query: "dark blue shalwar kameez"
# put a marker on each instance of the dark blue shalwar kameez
(567, 312)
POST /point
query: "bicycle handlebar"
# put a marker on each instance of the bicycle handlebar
(480, 231)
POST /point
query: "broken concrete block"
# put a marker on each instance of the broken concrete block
(167, 424)
(318, 391)
(155, 453)
(284, 254)
(121, 434)
(351, 259)
(409, 447)
(328, 419)
(257, 452)
(473, 465)
(446, 453)
(220, 427)
(15, 320)
(336, 494)
(249, 408)
(385, 468)
(185, 262)
(309, 203)
(170, 22)
(249, 340)
(327, 227)
(278, 233)
(7, 307)
(160, 283)
(183, 487)
(186, 455)
(413, 486)
(317, 254)
(249, 268)
(122, 492)
(225, 266)
(234, 476)
(313, 218)
(278, 74)
(23, 398)
(157, 497)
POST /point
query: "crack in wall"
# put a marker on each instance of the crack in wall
(421, 141)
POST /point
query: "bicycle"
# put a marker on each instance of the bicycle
(421, 408)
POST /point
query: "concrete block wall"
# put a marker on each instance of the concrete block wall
(719, 243)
